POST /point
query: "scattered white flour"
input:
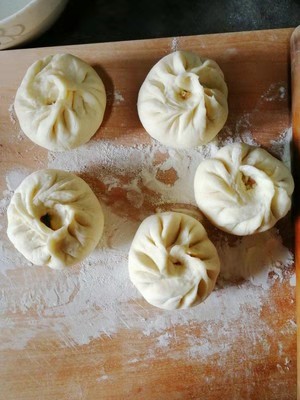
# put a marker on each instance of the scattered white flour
(15, 177)
(102, 378)
(277, 91)
(12, 114)
(97, 299)
(118, 98)
(174, 44)
(114, 97)
(293, 280)
(231, 51)
(254, 257)
(241, 134)
(137, 168)
(241, 131)
(15, 126)
(164, 339)
(281, 147)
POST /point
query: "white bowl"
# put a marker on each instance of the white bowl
(22, 20)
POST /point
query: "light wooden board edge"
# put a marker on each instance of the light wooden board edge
(295, 84)
(20, 53)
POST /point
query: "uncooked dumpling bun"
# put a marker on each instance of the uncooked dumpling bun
(183, 100)
(243, 189)
(54, 218)
(172, 262)
(60, 103)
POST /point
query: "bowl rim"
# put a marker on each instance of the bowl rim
(20, 11)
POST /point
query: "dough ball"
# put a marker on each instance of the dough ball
(183, 100)
(172, 262)
(243, 189)
(60, 103)
(54, 218)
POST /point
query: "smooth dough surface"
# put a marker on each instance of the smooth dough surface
(172, 262)
(243, 189)
(54, 218)
(61, 102)
(183, 100)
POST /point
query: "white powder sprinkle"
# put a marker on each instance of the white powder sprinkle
(136, 169)
(12, 114)
(277, 91)
(282, 92)
(293, 280)
(253, 258)
(118, 98)
(164, 340)
(231, 52)
(174, 44)
(15, 177)
(97, 299)
(281, 147)
(102, 378)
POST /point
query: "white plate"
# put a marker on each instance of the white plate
(22, 20)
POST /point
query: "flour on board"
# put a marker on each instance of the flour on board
(97, 299)
(12, 115)
(281, 147)
(118, 98)
(277, 91)
(174, 44)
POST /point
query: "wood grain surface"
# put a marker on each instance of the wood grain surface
(295, 84)
(257, 361)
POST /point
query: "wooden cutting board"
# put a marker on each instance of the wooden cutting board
(242, 350)
(295, 80)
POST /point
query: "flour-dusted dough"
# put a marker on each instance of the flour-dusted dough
(172, 262)
(54, 218)
(243, 189)
(60, 103)
(183, 100)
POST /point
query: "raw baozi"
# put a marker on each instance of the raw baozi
(172, 262)
(243, 189)
(60, 103)
(54, 218)
(183, 100)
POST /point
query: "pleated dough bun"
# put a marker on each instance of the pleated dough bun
(172, 262)
(183, 100)
(54, 218)
(61, 102)
(243, 189)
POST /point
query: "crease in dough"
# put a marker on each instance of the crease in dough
(54, 218)
(60, 103)
(172, 262)
(243, 189)
(183, 101)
